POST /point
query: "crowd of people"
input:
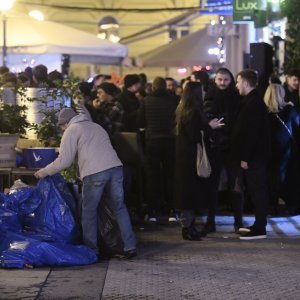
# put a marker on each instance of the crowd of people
(36, 77)
(251, 132)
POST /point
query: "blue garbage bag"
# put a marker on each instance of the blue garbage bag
(2, 199)
(66, 194)
(19, 250)
(24, 200)
(53, 217)
(9, 220)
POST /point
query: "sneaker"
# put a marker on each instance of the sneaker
(126, 254)
(254, 235)
(152, 219)
(173, 217)
(244, 229)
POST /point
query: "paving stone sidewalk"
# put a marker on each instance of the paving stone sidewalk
(219, 267)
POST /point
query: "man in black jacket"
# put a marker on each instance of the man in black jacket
(251, 140)
(129, 102)
(222, 100)
(157, 116)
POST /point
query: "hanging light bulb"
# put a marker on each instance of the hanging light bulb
(6, 5)
(37, 15)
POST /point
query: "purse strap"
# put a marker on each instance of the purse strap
(285, 126)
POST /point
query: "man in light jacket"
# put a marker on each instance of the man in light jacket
(100, 168)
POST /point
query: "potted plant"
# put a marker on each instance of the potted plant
(13, 118)
(51, 101)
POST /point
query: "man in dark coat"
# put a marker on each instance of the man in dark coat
(157, 116)
(222, 100)
(251, 149)
(129, 102)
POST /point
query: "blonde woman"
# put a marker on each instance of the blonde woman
(284, 176)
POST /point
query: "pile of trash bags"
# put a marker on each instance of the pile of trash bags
(38, 226)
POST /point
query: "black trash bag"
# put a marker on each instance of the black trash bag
(109, 237)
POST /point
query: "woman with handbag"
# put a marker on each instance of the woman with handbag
(191, 124)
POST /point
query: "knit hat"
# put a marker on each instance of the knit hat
(65, 115)
(131, 79)
(109, 88)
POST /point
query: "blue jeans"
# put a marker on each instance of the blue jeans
(93, 186)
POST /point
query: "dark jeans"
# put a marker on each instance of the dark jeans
(160, 169)
(218, 162)
(257, 184)
(111, 181)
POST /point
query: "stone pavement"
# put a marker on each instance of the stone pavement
(219, 267)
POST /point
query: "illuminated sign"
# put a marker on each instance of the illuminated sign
(216, 7)
(248, 10)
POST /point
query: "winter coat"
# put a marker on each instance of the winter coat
(190, 188)
(222, 104)
(130, 104)
(157, 115)
(251, 132)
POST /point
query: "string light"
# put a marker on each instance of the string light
(221, 41)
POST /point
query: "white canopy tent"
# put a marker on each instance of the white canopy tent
(191, 50)
(27, 37)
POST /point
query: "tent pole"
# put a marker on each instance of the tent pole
(4, 48)
(166, 72)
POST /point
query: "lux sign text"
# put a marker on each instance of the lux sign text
(246, 6)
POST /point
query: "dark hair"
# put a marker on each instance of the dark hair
(109, 88)
(40, 73)
(55, 76)
(293, 72)
(170, 78)
(85, 87)
(203, 77)
(159, 84)
(191, 99)
(96, 77)
(143, 78)
(224, 71)
(249, 75)
(23, 77)
(131, 79)
(28, 71)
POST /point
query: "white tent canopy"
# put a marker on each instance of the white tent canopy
(188, 51)
(28, 36)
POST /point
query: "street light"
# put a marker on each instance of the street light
(5, 6)
(109, 29)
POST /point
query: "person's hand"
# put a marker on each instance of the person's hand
(216, 123)
(244, 165)
(40, 174)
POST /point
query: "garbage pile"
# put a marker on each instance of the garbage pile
(38, 226)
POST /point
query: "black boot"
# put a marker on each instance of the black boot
(190, 233)
(209, 227)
